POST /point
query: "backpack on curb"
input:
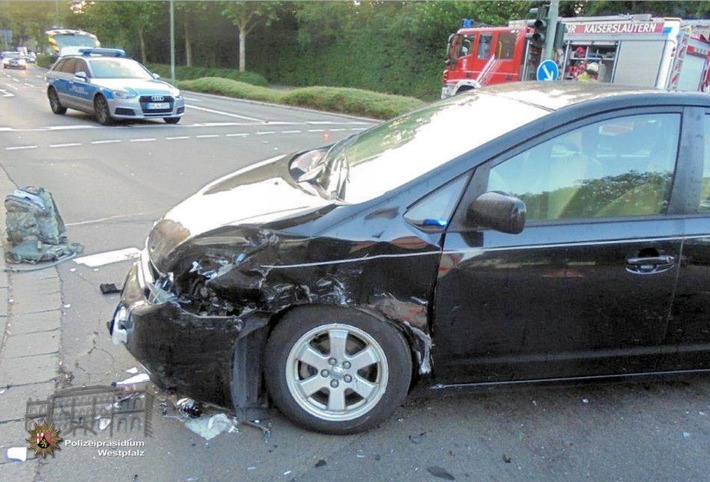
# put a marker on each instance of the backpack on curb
(35, 228)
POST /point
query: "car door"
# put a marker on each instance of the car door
(586, 288)
(82, 91)
(61, 78)
(689, 329)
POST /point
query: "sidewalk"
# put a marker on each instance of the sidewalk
(30, 333)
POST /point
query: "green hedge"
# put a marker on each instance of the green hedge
(190, 73)
(45, 61)
(330, 99)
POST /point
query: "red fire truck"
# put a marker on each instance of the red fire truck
(478, 56)
(637, 50)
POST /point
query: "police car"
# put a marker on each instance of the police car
(105, 83)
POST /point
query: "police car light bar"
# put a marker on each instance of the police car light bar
(103, 52)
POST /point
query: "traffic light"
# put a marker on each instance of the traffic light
(538, 22)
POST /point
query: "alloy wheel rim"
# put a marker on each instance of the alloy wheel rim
(337, 372)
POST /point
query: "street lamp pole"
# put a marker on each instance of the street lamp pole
(553, 13)
(172, 42)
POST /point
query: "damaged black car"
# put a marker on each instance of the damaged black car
(525, 232)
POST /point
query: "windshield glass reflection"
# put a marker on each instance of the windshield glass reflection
(378, 160)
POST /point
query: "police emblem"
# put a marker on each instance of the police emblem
(44, 439)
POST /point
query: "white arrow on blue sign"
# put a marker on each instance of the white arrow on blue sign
(548, 70)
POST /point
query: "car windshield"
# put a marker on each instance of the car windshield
(111, 68)
(11, 55)
(368, 165)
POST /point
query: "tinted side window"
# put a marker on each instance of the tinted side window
(617, 167)
(68, 66)
(436, 208)
(80, 66)
(705, 194)
(60, 65)
(506, 45)
(484, 46)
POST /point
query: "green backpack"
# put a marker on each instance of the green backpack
(35, 228)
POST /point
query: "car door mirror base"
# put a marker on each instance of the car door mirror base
(498, 211)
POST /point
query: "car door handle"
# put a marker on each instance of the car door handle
(649, 264)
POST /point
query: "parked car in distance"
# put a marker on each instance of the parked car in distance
(105, 83)
(13, 60)
(525, 232)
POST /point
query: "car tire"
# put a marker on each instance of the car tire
(368, 373)
(54, 102)
(103, 114)
(171, 120)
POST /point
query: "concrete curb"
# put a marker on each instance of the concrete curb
(30, 338)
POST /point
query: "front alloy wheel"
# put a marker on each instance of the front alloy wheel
(54, 102)
(103, 114)
(335, 370)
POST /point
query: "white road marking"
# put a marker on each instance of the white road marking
(118, 216)
(177, 138)
(319, 122)
(148, 139)
(263, 133)
(67, 128)
(69, 144)
(206, 136)
(110, 141)
(101, 259)
(17, 148)
(290, 132)
(316, 130)
(228, 114)
(237, 135)
(5, 93)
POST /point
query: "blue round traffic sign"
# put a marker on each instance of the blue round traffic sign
(548, 70)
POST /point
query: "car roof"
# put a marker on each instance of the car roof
(557, 95)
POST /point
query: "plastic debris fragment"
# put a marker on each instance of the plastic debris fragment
(189, 407)
(17, 453)
(142, 378)
(109, 288)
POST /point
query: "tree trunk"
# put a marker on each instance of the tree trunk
(242, 50)
(188, 44)
(144, 55)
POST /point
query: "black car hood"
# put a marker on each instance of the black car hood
(259, 194)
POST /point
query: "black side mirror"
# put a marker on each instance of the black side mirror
(498, 211)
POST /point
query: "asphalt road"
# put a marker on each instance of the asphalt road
(112, 183)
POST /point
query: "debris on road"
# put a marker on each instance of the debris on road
(142, 378)
(215, 425)
(189, 407)
(17, 453)
(109, 288)
(440, 473)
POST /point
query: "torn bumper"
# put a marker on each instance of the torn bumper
(188, 353)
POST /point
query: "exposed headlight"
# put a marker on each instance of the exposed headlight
(175, 92)
(124, 94)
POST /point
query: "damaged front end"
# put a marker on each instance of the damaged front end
(197, 308)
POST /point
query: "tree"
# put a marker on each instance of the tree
(120, 23)
(246, 16)
(29, 20)
(655, 8)
(186, 12)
